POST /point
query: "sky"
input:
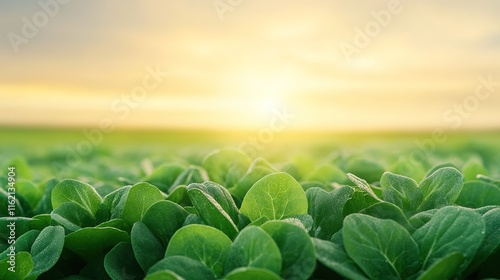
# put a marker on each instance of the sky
(240, 64)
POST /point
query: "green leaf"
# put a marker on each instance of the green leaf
(359, 200)
(441, 188)
(95, 269)
(226, 166)
(148, 250)
(115, 223)
(185, 267)
(163, 219)
(367, 169)
(335, 258)
(46, 250)
(303, 221)
(385, 210)
(72, 216)
(473, 167)
(251, 273)
(444, 268)
(44, 205)
(363, 185)
(202, 243)
(262, 220)
(23, 170)
(259, 168)
(420, 219)
(215, 206)
(219, 194)
(327, 173)
(192, 174)
(163, 275)
(140, 197)
(113, 204)
(40, 221)
(78, 192)
(90, 243)
(254, 248)
(401, 191)
(412, 169)
(440, 166)
(23, 243)
(24, 206)
(193, 219)
(490, 180)
(299, 166)
(120, 263)
(29, 191)
(164, 176)
(276, 196)
(483, 210)
(22, 226)
(326, 209)
(491, 242)
(297, 250)
(4, 204)
(382, 248)
(22, 268)
(179, 195)
(476, 194)
(451, 229)
(306, 185)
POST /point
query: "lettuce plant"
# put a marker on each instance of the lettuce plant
(228, 217)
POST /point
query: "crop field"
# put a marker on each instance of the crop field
(201, 205)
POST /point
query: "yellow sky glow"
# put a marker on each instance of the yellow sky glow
(261, 58)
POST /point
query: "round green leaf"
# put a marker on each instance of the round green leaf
(476, 194)
(72, 216)
(23, 267)
(335, 258)
(163, 219)
(215, 206)
(140, 197)
(451, 229)
(276, 196)
(185, 267)
(297, 250)
(326, 209)
(47, 249)
(148, 250)
(251, 273)
(78, 192)
(253, 247)
(202, 243)
(382, 248)
(163, 275)
(90, 243)
(226, 166)
(29, 191)
(441, 188)
(120, 263)
(444, 268)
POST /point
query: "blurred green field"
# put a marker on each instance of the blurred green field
(103, 158)
(324, 183)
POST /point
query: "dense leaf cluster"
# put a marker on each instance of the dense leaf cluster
(234, 218)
